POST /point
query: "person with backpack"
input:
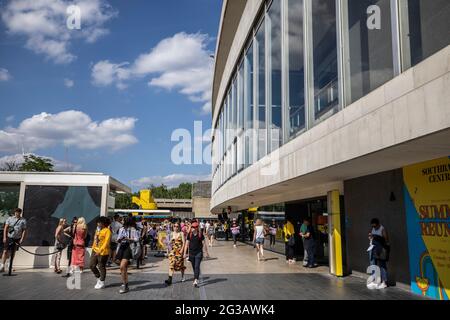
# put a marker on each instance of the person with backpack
(235, 231)
(60, 244)
(289, 240)
(379, 251)
(176, 255)
(258, 239)
(195, 244)
(69, 233)
(101, 249)
(126, 236)
(309, 242)
(272, 233)
(115, 227)
(13, 235)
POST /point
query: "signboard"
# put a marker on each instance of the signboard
(427, 202)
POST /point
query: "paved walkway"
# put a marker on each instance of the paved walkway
(231, 273)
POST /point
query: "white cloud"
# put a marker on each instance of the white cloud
(4, 75)
(171, 180)
(181, 63)
(105, 73)
(59, 165)
(69, 128)
(43, 24)
(69, 83)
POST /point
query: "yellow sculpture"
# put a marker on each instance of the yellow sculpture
(145, 200)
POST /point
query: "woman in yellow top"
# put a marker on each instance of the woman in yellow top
(100, 251)
(289, 240)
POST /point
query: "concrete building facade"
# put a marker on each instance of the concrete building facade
(344, 102)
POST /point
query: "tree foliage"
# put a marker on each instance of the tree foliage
(183, 191)
(34, 163)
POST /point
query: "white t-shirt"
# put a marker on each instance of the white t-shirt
(259, 232)
(378, 232)
(202, 225)
(207, 225)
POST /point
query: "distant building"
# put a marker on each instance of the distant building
(201, 199)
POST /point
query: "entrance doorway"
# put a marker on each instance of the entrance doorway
(316, 211)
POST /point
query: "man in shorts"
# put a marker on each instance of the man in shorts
(13, 234)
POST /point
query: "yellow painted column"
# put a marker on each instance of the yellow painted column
(335, 234)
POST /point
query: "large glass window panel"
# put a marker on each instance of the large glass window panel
(274, 30)
(240, 153)
(47, 204)
(248, 106)
(261, 94)
(426, 28)
(296, 103)
(325, 66)
(369, 46)
(234, 106)
(241, 96)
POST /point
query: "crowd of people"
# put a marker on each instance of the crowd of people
(123, 240)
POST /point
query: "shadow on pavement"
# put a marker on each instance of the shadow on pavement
(212, 281)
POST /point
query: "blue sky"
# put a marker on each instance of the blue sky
(110, 94)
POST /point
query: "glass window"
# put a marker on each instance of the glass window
(296, 103)
(234, 106)
(369, 46)
(426, 29)
(324, 56)
(261, 87)
(9, 200)
(241, 96)
(47, 204)
(240, 114)
(248, 106)
(274, 29)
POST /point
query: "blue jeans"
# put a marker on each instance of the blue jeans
(310, 249)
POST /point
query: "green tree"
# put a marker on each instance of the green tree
(183, 191)
(123, 201)
(34, 163)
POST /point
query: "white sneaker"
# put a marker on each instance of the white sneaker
(2, 267)
(183, 279)
(234, 246)
(100, 285)
(97, 285)
(372, 286)
(381, 286)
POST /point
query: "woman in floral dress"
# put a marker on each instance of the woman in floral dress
(176, 259)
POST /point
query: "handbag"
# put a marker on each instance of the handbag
(136, 250)
(291, 241)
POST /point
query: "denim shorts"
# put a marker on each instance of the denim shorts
(259, 241)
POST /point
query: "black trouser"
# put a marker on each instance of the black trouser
(69, 255)
(98, 265)
(195, 261)
(289, 251)
(272, 239)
